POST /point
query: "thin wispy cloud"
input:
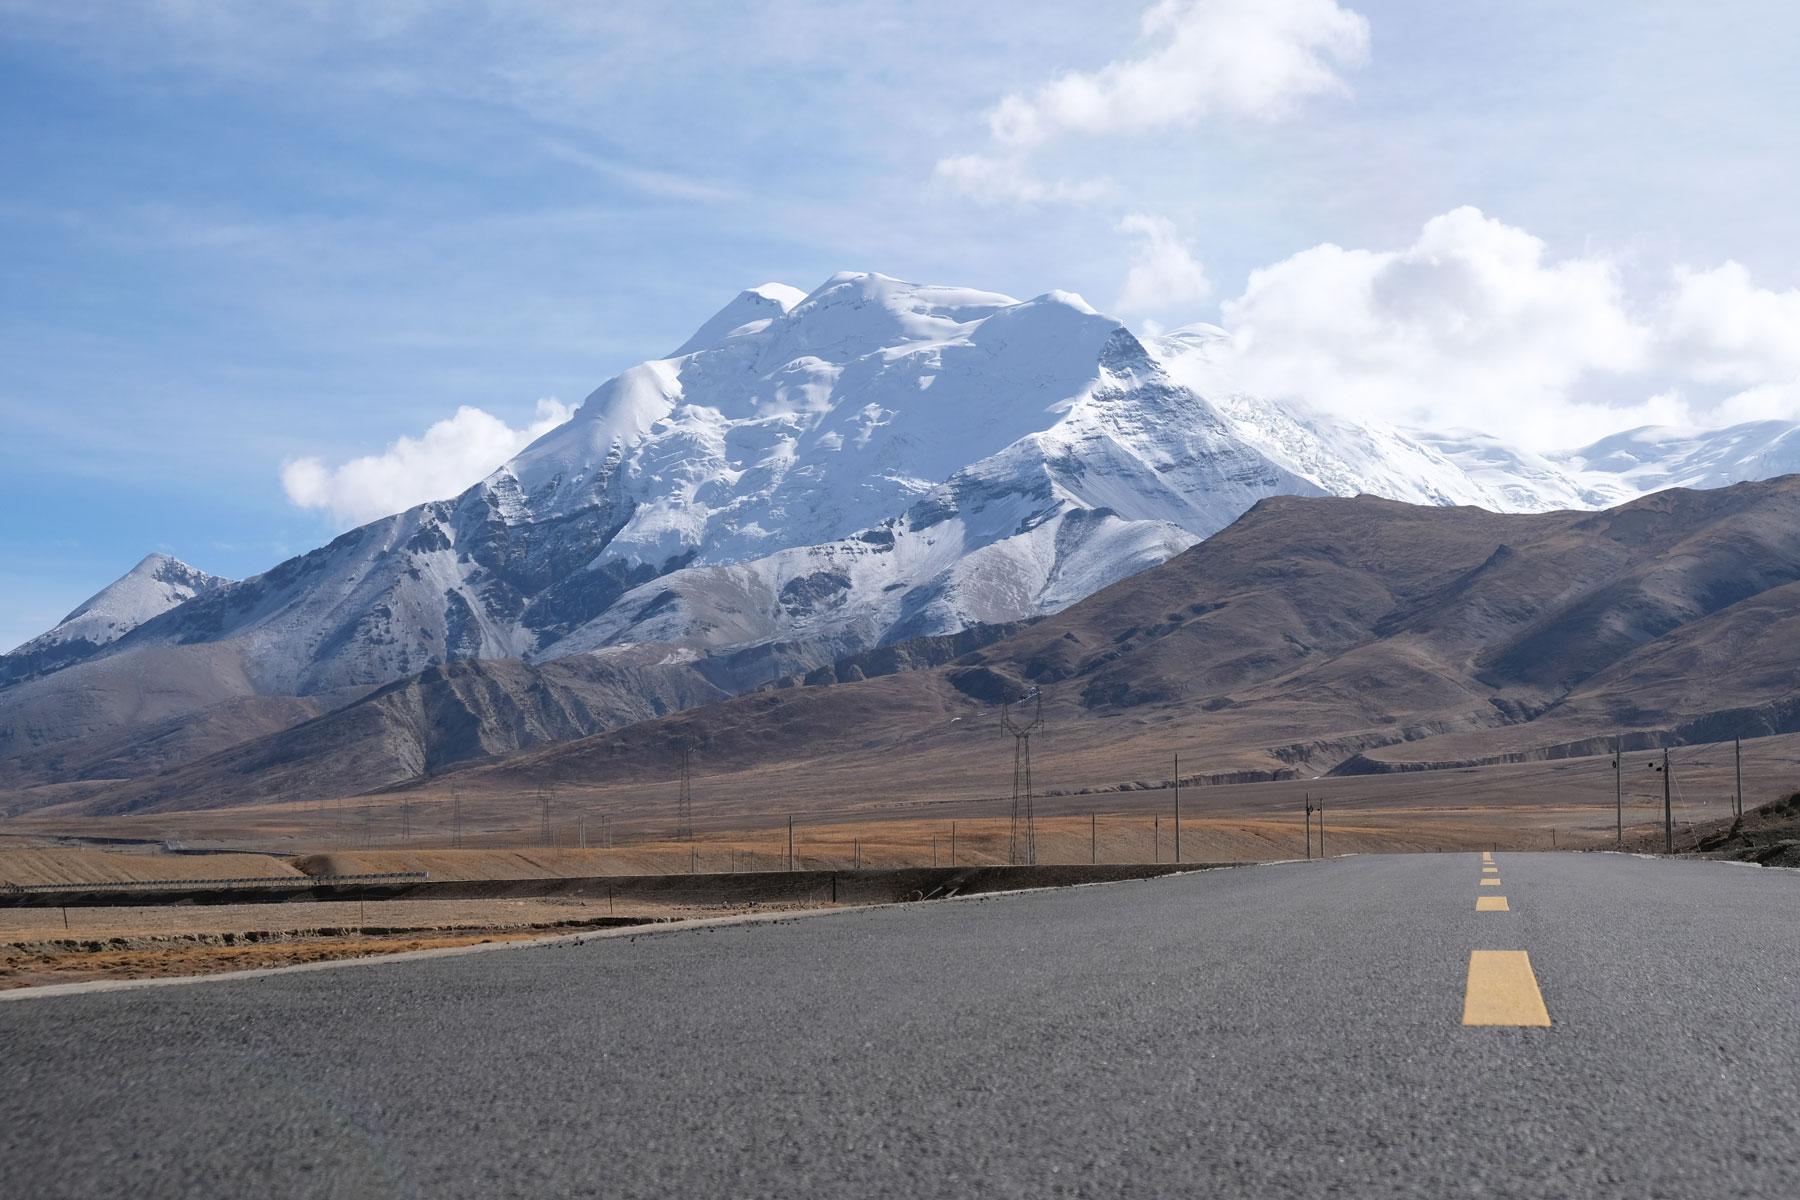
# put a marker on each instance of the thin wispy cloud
(1164, 273)
(667, 185)
(1197, 60)
(992, 180)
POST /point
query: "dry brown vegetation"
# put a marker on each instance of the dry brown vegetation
(35, 967)
(741, 816)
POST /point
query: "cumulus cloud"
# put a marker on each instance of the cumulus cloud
(1249, 58)
(1477, 324)
(1164, 272)
(452, 454)
(1727, 330)
(1471, 324)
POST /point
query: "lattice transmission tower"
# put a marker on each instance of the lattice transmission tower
(1023, 850)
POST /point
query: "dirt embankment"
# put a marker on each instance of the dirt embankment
(77, 961)
(138, 936)
(1769, 835)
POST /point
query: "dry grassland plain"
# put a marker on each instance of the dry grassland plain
(741, 823)
(1566, 804)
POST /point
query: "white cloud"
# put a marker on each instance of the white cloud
(1250, 58)
(1724, 329)
(1470, 325)
(1164, 272)
(1476, 325)
(1202, 58)
(451, 455)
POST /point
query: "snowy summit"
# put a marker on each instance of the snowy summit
(839, 469)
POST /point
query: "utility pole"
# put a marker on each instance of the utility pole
(684, 805)
(544, 837)
(1668, 809)
(1023, 848)
(1737, 752)
(1155, 837)
(1321, 812)
(456, 818)
(1308, 796)
(1619, 786)
(1178, 808)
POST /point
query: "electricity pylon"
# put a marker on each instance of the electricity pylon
(1023, 851)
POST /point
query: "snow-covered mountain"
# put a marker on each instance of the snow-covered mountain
(1654, 457)
(829, 471)
(153, 587)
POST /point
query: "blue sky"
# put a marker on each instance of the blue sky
(239, 235)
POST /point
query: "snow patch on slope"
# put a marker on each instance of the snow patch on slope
(1653, 457)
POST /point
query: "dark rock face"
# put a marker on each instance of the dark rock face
(809, 593)
(29, 663)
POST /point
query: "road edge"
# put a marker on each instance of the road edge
(690, 924)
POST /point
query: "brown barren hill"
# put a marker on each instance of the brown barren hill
(1312, 635)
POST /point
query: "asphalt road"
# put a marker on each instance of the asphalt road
(1292, 1030)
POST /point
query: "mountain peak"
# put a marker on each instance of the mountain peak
(749, 312)
(155, 585)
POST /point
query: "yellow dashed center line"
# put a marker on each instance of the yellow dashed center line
(1494, 882)
(1490, 870)
(1491, 904)
(1502, 990)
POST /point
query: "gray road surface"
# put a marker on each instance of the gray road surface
(1291, 1030)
